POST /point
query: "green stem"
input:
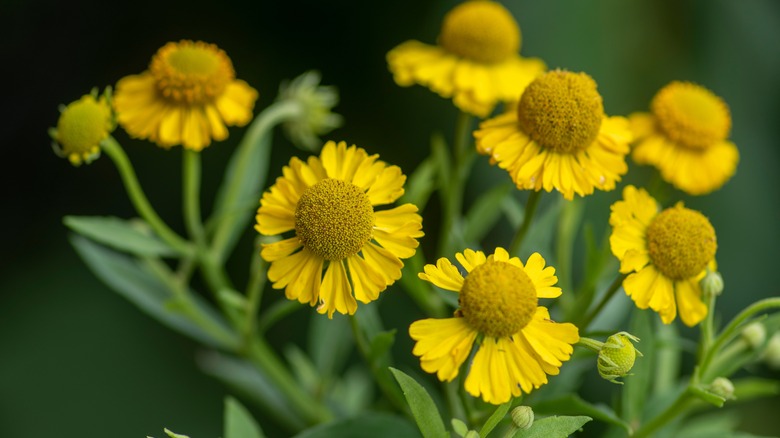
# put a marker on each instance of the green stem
(614, 287)
(454, 403)
(139, 200)
(567, 232)
(453, 195)
(275, 114)
(670, 413)
(590, 344)
(191, 173)
(254, 294)
(708, 325)
(310, 408)
(275, 313)
(530, 209)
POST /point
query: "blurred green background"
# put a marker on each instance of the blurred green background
(77, 360)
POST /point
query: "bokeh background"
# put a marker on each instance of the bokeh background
(76, 360)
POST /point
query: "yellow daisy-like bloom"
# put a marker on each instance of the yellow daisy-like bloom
(558, 137)
(686, 138)
(187, 97)
(667, 254)
(329, 203)
(82, 125)
(476, 61)
(517, 343)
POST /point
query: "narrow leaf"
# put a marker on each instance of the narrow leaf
(484, 213)
(127, 236)
(572, 404)
(494, 419)
(553, 427)
(239, 423)
(420, 185)
(423, 408)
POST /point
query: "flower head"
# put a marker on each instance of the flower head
(558, 138)
(186, 97)
(328, 203)
(686, 137)
(617, 356)
(517, 344)
(82, 125)
(316, 102)
(476, 62)
(667, 254)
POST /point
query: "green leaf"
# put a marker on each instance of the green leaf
(495, 418)
(572, 404)
(459, 427)
(330, 343)
(127, 236)
(485, 212)
(303, 368)
(380, 345)
(254, 386)
(367, 425)
(172, 434)
(239, 423)
(128, 277)
(637, 388)
(423, 408)
(749, 388)
(553, 427)
(441, 156)
(420, 185)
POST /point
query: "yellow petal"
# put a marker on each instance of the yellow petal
(366, 282)
(335, 292)
(442, 345)
(542, 278)
(277, 250)
(383, 262)
(550, 340)
(443, 275)
(692, 308)
(470, 259)
(388, 186)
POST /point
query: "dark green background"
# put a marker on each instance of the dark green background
(76, 360)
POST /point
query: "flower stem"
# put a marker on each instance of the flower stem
(590, 344)
(708, 325)
(530, 208)
(677, 408)
(614, 287)
(453, 195)
(254, 294)
(191, 173)
(137, 196)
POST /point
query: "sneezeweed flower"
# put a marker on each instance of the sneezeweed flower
(517, 343)
(187, 97)
(686, 137)
(667, 254)
(82, 125)
(476, 61)
(316, 102)
(617, 356)
(558, 138)
(328, 202)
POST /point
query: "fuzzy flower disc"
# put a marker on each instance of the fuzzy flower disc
(480, 30)
(81, 127)
(691, 115)
(191, 72)
(681, 242)
(334, 219)
(498, 299)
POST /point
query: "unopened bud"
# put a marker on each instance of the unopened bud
(722, 387)
(523, 417)
(772, 352)
(617, 356)
(471, 434)
(754, 334)
(712, 283)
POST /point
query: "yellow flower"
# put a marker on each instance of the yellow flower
(329, 203)
(686, 138)
(82, 125)
(558, 137)
(517, 344)
(476, 61)
(186, 97)
(667, 254)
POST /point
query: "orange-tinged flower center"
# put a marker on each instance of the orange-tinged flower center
(482, 31)
(681, 242)
(191, 72)
(691, 115)
(561, 111)
(498, 299)
(334, 219)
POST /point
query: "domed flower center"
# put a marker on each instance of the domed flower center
(482, 31)
(691, 115)
(83, 125)
(334, 219)
(498, 299)
(561, 111)
(191, 72)
(681, 242)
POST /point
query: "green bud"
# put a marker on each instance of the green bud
(754, 334)
(522, 417)
(712, 283)
(617, 356)
(315, 116)
(471, 434)
(722, 387)
(772, 352)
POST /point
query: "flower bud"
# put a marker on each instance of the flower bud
(722, 387)
(471, 434)
(712, 283)
(772, 352)
(82, 125)
(754, 334)
(617, 356)
(522, 417)
(315, 117)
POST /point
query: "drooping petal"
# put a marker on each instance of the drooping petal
(442, 345)
(336, 292)
(692, 308)
(444, 275)
(366, 282)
